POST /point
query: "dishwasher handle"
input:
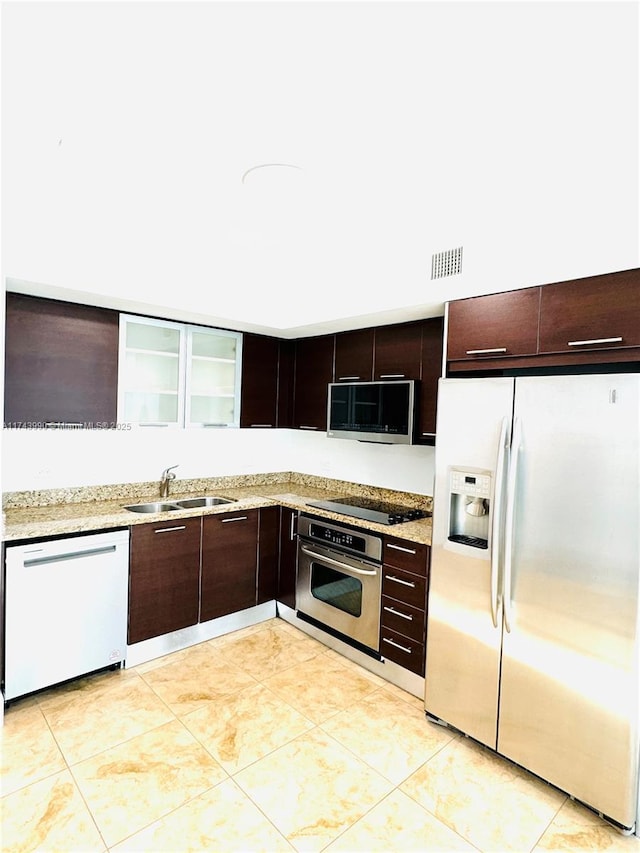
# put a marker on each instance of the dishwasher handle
(71, 555)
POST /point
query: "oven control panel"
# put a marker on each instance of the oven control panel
(341, 536)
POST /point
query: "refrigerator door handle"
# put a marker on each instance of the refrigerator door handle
(496, 524)
(510, 520)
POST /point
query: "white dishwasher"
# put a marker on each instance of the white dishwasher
(65, 609)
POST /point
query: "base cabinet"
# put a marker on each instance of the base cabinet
(164, 578)
(403, 616)
(229, 563)
(288, 557)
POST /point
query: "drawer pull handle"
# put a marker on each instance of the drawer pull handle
(170, 529)
(392, 376)
(399, 548)
(302, 426)
(594, 341)
(396, 645)
(399, 580)
(237, 518)
(345, 378)
(395, 612)
(261, 426)
(486, 351)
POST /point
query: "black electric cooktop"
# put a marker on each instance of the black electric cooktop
(370, 510)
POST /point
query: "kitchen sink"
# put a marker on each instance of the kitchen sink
(187, 503)
(158, 506)
(208, 500)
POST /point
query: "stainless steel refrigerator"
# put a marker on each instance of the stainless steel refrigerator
(532, 636)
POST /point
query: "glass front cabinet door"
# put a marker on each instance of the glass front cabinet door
(176, 375)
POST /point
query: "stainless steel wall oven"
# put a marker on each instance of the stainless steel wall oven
(340, 579)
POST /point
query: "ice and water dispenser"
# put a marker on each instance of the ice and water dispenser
(470, 508)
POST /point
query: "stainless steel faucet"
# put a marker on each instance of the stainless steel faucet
(166, 478)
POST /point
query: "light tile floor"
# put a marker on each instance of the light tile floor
(264, 740)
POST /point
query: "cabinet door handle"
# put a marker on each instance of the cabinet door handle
(292, 531)
(261, 426)
(214, 425)
(237, 518)
(594, 341)
(345, 378)
(392, 376)
(428, 434)
(400, 548)
(395, 612)
(302, 426)
(485, 351)
(396, 645)
(170, 529)
(399, 580)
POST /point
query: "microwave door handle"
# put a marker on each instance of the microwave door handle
(496, 526)
(337, 563)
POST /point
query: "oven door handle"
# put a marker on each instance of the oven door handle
(337, 563)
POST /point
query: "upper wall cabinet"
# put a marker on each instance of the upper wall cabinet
(61, 363)
(496, 326)
(398, 351)
(313, 373)
(176, 375)
(586, 321)
(354, 356)
(260, 364)
(591, 314)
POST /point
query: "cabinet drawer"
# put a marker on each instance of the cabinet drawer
(402, 650)
(410, 556)
(403, 619)
(403, 586)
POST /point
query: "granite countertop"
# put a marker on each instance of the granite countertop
(55, 512)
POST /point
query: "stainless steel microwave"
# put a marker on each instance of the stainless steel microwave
(380, 412)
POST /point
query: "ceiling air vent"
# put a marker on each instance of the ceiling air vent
(446, 263)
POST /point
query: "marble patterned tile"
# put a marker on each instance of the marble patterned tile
(398, 823)
(241, 633)
(266, 652)
(49, 815)
(355, 667)
(320, 687)
(321, 789)
(86, 722)
(490, 802)
(576, 828)
(239, 729)
(96, 684)
(399, 693)
(221, 819)
(28, 751)
(195, 679)
(133, 784)
(390, 735)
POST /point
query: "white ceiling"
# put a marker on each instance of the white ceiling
(132, 133)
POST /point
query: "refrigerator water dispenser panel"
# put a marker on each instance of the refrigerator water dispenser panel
(470, 507)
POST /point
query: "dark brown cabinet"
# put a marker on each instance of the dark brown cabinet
(259, 396)
(497, 326)
(430, 372)
(229, 563)
(286, 374)
(398, 351)
(403, 616)
(164, 577)
(61, 363)
(313, 373)
(592, 314)
(288, 557)
(268, 546)
(354, 356)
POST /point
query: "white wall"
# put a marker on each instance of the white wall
(47, 459)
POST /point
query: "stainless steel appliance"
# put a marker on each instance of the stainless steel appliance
(533, 615)
(370, 509)
(65, 609)
(380, 412)
(340, 579)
